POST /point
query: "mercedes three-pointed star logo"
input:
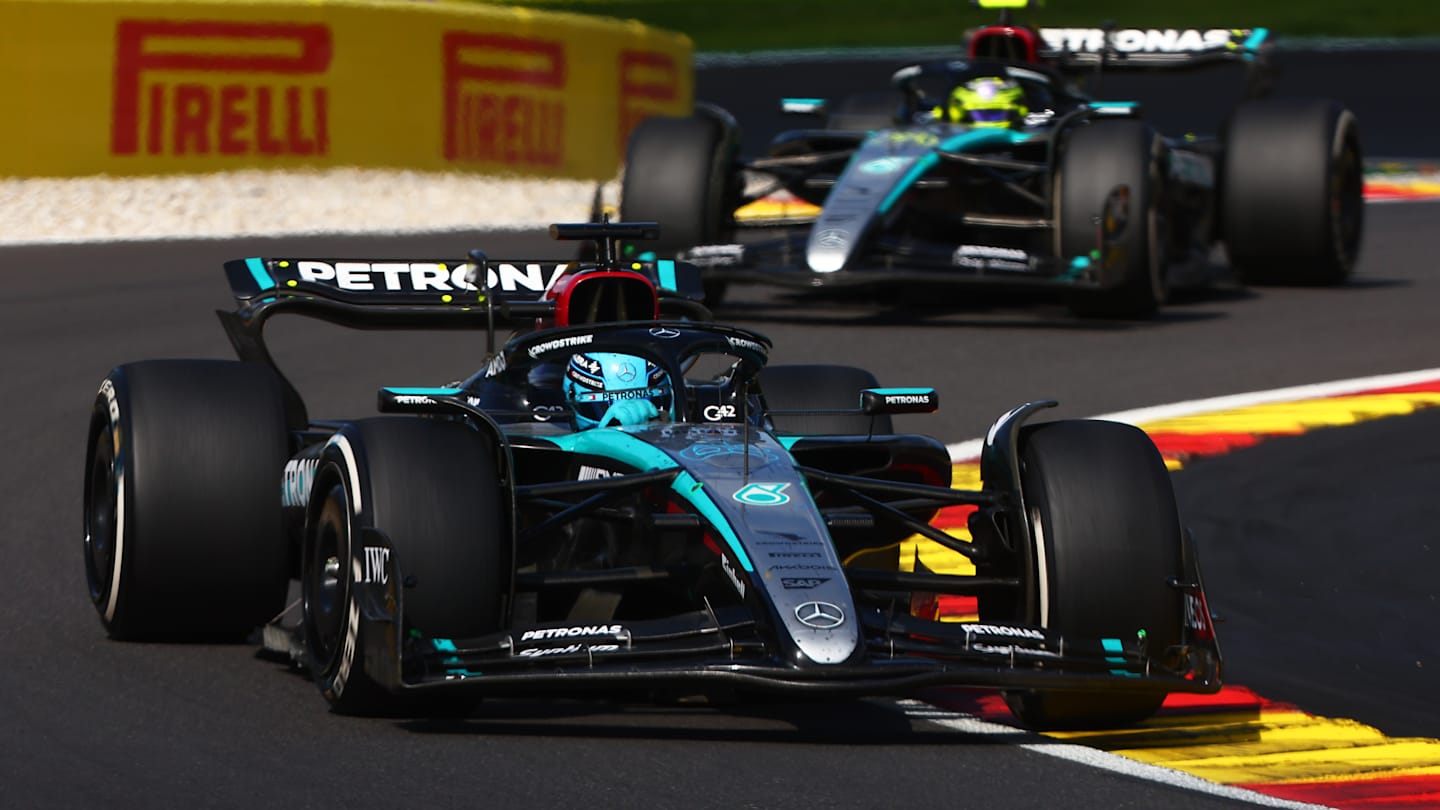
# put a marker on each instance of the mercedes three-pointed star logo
(820, 615)
(665, 332)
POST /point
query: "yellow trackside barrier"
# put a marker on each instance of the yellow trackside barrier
(131, 87)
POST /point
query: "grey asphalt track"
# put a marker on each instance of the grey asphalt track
(1320, 550)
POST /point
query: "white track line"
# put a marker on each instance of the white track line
(1094, 758)
(970, 450)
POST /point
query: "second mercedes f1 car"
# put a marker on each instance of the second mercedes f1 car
(996, 169)
(623, 496)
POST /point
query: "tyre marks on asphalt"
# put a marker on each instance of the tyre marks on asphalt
(1235, 738)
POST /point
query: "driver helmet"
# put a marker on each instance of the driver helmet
(609, 388)
(989, 101)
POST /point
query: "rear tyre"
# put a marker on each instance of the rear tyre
(1097, 159)
(184, 538)
(678, 172)
(433, 489)
(1292, 191)
(816, 388)
(1100, 567)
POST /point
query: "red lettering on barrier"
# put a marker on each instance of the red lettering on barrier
(485, 124)
(649, 80)
(228, 119)
(192, 113)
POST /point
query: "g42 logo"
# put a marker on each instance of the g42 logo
(714, 413)
(763, 494)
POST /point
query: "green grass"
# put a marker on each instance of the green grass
(746, 25)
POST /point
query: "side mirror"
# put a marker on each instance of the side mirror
(899, 400)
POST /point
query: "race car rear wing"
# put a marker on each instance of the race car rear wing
(1073, 50)
(476, 293)
(1146, 49)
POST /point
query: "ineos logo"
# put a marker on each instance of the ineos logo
(715, 413)
(820, 615)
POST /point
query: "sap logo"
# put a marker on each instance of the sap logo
(425, 276)
(802, 583)
(718, 413)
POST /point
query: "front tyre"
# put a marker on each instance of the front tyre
(184, 537)
(433, 490)
(1098, 159)
(1106, 549)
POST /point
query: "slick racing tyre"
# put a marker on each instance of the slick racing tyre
(679, 173)
(1292, 209)
(864, 112)
(1106, 545)
(184, 538)
(1098, 159)
(820, 388)
(431, 490)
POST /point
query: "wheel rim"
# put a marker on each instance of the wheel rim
(325, 587)
(100, 520)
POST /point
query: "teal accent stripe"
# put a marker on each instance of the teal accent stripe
(1116, 656)
(1096, 105)
(1256, 37)
(693, 491)
(666, 269)
(423, 392)
(788, 442)
(616, 444)
(627, 449)
(802, 101)
(965, 141)
(261, 275)
(443, 644)
(902, 391)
